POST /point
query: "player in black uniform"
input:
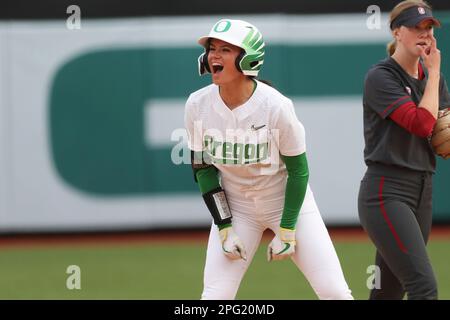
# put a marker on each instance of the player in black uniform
(402, 95)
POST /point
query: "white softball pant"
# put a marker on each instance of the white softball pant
(253, 212)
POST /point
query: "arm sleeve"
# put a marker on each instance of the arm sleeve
(418, 121)
(291, 138)
(207, 179)
(444, 96)
(297, 182)
(384, 92)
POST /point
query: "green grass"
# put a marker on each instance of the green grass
(156, 271)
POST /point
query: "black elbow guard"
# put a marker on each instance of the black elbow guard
(217, 203)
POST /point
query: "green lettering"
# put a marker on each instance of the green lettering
(238, 153)
(215, 145)
(249, 152)
(263, 151)
(227, 152)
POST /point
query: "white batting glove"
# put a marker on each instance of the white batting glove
(282, 246)
(232, 246)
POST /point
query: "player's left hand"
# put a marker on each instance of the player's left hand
(232, 245)
(282, 246)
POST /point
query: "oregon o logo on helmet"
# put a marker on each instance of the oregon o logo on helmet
(226, 25)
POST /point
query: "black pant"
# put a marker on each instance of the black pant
(394, 207)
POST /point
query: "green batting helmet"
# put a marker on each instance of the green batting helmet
(241, 34)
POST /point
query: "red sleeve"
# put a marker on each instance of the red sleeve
(418, 121)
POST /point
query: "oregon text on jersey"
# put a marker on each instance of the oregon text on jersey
(232, 152)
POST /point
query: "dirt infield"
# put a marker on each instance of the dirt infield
(174, 237)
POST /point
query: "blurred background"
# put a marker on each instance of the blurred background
(92, 99)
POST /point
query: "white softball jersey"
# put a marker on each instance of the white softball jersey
(245, 143)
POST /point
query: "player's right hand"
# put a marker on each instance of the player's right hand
(232, 246)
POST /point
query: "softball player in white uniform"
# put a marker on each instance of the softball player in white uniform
(248, 156)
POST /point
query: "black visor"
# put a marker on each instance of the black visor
(411, 17)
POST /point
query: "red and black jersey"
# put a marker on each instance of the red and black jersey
(388, 88)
